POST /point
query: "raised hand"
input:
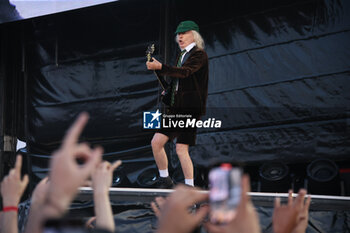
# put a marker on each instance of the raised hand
(12, 189)
(40, 192)
(103, 175)
(66, 174)
(303, 217)
(246, 219)
(285, 217)
(101, 181)
(12, 186)
(175, 217)
(157, 205)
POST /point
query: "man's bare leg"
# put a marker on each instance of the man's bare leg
(158, 142)
(186, 162)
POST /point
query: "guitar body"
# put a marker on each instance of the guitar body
(166, 97)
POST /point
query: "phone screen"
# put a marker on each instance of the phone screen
(225, 192)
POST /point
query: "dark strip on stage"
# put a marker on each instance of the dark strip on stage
(146, 195)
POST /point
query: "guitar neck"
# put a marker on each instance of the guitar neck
(149, 53)
(161, 81)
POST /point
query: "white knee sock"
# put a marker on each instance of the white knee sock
(189, 182)
(164, 173)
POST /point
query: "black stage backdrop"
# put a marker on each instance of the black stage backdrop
(279, 77)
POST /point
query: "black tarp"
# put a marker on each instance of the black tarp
(95, 66)
(279, 74)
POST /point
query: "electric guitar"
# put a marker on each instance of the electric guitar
(166, 93)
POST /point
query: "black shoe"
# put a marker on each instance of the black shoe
(164, 183)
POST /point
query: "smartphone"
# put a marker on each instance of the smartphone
(225, 192)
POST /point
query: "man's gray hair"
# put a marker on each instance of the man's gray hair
(197, 39)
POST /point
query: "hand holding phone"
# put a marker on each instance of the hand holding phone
(225, 193)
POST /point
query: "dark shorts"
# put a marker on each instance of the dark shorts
(187, 137)
(183, 135)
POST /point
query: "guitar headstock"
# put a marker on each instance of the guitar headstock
(150, 51)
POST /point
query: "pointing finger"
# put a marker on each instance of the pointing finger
(290, 197)
(300, 198)
(155, 209)
(116, 164)
(277, 202)
(75, 130)
(245, 188)
(25, 180)
(308, 201)
(18, 165)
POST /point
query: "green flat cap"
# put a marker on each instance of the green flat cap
(185, 26)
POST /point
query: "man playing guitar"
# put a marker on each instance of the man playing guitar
(187, 95)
